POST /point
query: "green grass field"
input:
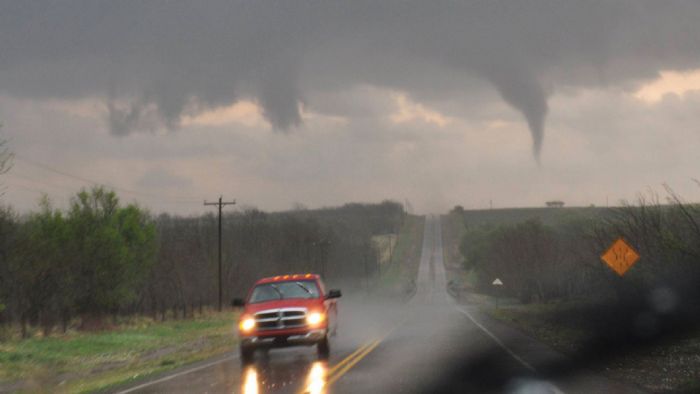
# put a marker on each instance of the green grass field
(84, 362)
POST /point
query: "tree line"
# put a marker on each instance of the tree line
(101, 258)
(560, 258)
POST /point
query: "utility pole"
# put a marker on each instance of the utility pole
(220, 204)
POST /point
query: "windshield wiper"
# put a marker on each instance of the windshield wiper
(274, 287)
(304, 287)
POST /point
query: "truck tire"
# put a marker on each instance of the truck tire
(323, 348)
(247, 354)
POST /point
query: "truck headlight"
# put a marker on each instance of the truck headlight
(315, 318)
(247, 324)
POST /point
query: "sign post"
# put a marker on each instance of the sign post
(498, 283)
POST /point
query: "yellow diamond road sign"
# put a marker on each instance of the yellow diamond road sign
(620, 256)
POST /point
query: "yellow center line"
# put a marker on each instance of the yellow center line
(352, 363)
(357, 356)
(338, 370)
(339, 365)
(348, 358)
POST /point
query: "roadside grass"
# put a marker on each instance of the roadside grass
(385, 244)
(89, 361)
(552, 323)
(402, 269)
(453, 229)
(669, 366)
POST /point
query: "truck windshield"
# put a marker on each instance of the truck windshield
(284, 290)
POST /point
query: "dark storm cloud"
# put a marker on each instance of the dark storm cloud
(152, 62)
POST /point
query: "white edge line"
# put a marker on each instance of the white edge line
(527, 365)
(166, 378)
(498, 341)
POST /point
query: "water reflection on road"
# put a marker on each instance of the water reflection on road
(269, 375)
(316, 380)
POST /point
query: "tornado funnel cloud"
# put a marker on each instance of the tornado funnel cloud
(535, 121)
(524, 92)
(160, 64)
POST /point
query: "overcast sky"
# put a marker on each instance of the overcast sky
(325, 102)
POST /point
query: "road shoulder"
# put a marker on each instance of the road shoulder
(542, 359)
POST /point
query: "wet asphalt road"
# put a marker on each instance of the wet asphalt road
(428, 345)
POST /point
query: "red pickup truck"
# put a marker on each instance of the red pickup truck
(287, 310)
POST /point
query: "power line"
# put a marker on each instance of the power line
(96, 183)
(23, 177)
(15, 177)
(29, 188)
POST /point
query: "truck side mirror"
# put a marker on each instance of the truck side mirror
(237, 302)
(334, 294)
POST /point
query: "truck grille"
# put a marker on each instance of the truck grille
(275, 319)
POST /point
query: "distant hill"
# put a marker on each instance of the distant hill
(548, 216)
